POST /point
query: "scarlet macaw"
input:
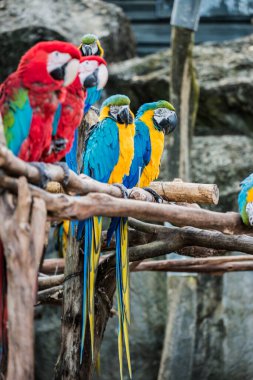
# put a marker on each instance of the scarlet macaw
(107, 158)
(29, 98)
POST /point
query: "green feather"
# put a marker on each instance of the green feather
(89, 39)
(153, 106)
(116, 100)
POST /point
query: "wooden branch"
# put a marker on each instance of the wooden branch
(50, 281)
(22, 250)
(53, 266)
(62, 206)
(50, 296)
(172, 191)
(206, 265)
(178, 191)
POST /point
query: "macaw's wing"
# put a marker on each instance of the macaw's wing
(56, 120)
(92, 96)
(142, 154)
(102, 151)
(17, 119)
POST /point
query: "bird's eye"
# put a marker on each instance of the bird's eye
(114, 109)
(56, 54)
(161, 112)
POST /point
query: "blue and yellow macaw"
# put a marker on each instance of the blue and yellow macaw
(153, 120)
(107, 158)
(245, 200)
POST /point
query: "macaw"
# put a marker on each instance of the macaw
(245, 200)
(90, 45)
(29, 98)
(153, 120)
(92, 71)
(107, 158)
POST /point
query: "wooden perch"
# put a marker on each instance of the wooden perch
(53, 266)
(22, 234)
(62, 206)
(172, 191)
(178, 191)
(50, 281)
(52, 295)
(217, 265)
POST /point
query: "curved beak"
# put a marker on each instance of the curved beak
(71, 71)
(102, 76)
(86, 50)
(91, 80)
(169, 124)
(124, 116)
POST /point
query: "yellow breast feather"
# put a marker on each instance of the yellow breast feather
(151, 171)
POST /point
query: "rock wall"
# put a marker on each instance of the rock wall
(27, 22)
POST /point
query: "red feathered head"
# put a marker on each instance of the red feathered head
(53, 63)
(93, 72)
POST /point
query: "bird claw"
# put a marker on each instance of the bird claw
(44, 176)
(66, 171)
(123, 190)
(58, 145)
(156, 196)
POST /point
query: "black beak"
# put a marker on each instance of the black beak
(125, 117)
(86, 50)
(170, 123)
(91, 80)
(59, 72)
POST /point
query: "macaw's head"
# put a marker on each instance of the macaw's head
(117, 107)
(162, 114)
(93, 72)
(50, 63)
(247, 183)
(90, 45)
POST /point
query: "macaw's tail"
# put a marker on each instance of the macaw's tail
(61, 237)
(92, 229)
(3, 305)
(92, 96)
(123, 291)
(112, 228)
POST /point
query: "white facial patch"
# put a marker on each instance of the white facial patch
(57, 59)
(94, 48)
(249, 211)
(102, 76)
(115, 110)
(161, 113)
(86, 68)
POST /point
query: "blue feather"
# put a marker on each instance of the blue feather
(92, 97)
(56, 120)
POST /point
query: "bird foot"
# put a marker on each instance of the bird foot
(66, 171)
(123, 190)
(156, 196)
(44, 176)
(58, 145)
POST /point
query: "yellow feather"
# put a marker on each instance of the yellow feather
(94, 260)
(250, 195)
(120, 340)
(151, 171)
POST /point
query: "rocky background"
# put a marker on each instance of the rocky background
(209, 334)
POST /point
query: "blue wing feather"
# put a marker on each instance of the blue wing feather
(93, 96)
(102, 151)
(56, 120)
(19, 130)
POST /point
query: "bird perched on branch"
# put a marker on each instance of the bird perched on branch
(107, 158)
(245, 200)
(92, 72)
(153, 120)
(90, 45)
(29, 98)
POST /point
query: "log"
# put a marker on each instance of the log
(171, 191)
(53, 266)
(51, 296)
(22, 234)
(178, 191)
(62, 206)
(206, 265)
(50, 281)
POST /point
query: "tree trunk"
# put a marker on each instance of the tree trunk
(184, 93)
